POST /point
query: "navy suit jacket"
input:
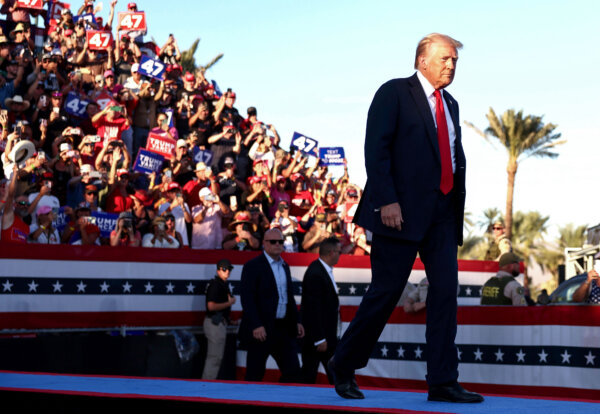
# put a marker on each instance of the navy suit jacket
(402, 159)
(259, 298)
(320, 304)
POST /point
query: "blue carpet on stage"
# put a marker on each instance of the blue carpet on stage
(299, 396)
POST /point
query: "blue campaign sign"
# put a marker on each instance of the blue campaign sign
(170, 118)
(152, 67)
(75, 105)
(305, 144)
(204, 156)
(88, 18)
(218, 92)
(148, 162)
(332, 155)
(106, 222)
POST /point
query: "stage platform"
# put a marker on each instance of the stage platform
(89, 394)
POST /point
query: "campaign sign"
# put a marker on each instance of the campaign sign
(132, 21)
(89, 19)
(56, 9)
(30, 4)
(204, 156)
(170, 118)
(61, 219)
(332, 155)
(305, 144)
(218, 92)
(162, 145)
(350, 211)
(75, 105)
(153, 68)
(103, 99)
(98, 39)
(148, 162)
(106, 222)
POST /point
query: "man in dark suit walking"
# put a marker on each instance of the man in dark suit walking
(320, 310)
(270, 324)
(413, 203)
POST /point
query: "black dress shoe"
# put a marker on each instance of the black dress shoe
(345, 385)
(453, 392)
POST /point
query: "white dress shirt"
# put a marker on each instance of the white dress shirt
(281, 282)
(429, 90)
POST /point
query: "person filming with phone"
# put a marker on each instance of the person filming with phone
(159, 237)
(124, 233)
(589, 290)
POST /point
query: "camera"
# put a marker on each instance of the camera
(210, 197)
(161, 226)
(246, 227)
(95, 138)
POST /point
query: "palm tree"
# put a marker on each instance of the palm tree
(522, 137)
(188, 61)
(490, 216)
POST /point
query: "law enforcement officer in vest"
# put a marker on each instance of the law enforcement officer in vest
(218, 307)
(500, 244)
(503, 289)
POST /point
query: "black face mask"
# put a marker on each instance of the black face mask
(515, 273)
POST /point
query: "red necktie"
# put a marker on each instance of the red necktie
(447, 180)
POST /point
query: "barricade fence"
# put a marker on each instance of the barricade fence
(541, 350)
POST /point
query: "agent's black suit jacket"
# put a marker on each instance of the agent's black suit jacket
(259, 298)
(320, 304)
(402, 159)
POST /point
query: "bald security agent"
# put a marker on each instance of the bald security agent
(270, 324)
(413, 203)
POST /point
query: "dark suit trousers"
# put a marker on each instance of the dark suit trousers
(311, 359)
(391, 263)
(282, 347)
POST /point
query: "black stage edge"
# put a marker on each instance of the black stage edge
(138, 354)
(34, 402)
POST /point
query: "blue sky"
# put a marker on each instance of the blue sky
(313, 67)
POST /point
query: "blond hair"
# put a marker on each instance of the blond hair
(424, 44)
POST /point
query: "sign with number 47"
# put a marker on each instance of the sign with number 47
(305, 144)
(98, 40)
(132, 21)
(75, 105)
(152, 67)
(31, 4)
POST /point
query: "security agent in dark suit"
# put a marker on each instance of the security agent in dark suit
(413, 203)
(270, 323)
(320, 310)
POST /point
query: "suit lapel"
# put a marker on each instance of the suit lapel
(453, 108)
(269, 271)
(418, 95)
(325, 275)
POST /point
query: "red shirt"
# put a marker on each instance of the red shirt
(117, 203)
(110, 130)
(296, 202)
(191, 189)
(17, 233)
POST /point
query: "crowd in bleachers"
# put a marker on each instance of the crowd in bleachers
(76, 121)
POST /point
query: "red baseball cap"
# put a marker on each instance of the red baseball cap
(173, 186)
(131, 5)
(189, 77)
